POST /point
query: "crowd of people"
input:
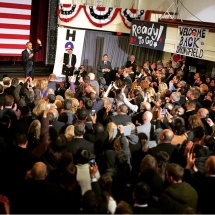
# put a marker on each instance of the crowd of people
(134, 141)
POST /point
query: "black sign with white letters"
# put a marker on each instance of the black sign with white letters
(150, 35)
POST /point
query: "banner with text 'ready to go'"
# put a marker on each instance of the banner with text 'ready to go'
(150, 35)
(191, 41)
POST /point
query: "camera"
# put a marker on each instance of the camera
(93, 112)
(92, 162)
(163, 112)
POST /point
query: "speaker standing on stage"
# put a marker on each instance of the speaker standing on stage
(28, 58)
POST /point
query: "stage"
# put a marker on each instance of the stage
(16, 70)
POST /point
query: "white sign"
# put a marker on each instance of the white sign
(191, 41)
(68, 36)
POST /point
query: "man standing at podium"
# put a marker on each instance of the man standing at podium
(28, 58)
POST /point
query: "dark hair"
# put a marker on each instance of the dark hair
(82, 113)
(15, 82)
(98, 128)
(174, 170)
(83, 156)
(142, 193)
(51, 98)
(121, 158)
(59, 144)
(68, 179)
(88, 103)
(178, 126)
(20, 138)
(67, 104)
(86, 79)
(79, 128)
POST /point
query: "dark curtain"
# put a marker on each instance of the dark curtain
(39, 21)
(117, 47)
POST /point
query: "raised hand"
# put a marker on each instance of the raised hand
(39, 41)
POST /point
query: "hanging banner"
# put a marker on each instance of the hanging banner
(100, 16)
(68, 38)
(129, 14)
(67, 12)
(150, 35)
(191, 41)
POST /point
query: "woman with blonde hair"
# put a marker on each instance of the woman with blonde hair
(39, 108)
(34, 131)
(69, 94)
(75, 105)
(162, 86)
(69, 132)
(44, 87)
(194, 122)
(110, 129)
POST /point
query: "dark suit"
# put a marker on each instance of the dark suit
(107, 75)
(134, 68)
(128, 82)
(120, 119)
(77, 143)
(66, 62)
(170, 149)
(79, 74)
(29, 62)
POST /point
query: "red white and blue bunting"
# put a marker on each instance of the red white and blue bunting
(129, 14)
(67, 12)
(100, 16)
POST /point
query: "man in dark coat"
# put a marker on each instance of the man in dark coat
(28, 58)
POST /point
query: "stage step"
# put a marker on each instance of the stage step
(17, 70)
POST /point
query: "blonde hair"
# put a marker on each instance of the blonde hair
(69, 94)
(6, 81)
(194, 121)
(162, 86)
(59, 97)
(110, 129)
(35, 127)
(75, 105)
(151, 92)
(36, 83)
(52, 76)
(44, 84)
(40, 107)
(69, 132)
